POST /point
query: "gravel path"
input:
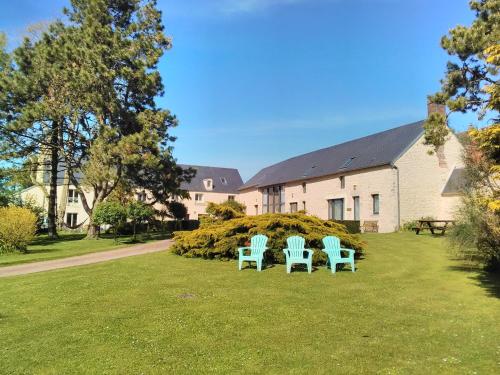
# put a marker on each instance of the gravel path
(80, 260)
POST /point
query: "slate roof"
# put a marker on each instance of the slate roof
(455, 182)
(378, 149)
(230, 176)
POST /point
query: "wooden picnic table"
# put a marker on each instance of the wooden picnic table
(433, 226)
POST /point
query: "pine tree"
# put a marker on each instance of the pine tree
(471, 85)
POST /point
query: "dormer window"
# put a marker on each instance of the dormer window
(209, 184)
(223, 180)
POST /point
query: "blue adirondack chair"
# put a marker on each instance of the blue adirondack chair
(294, 253)
(334, 252)
(257, 248)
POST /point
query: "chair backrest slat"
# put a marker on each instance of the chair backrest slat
(258, 244)
(296, 246)
(332, 245)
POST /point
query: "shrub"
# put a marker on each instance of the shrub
(39, 212)
(226, 210)
(17, 228)
(352, 226)
(220, 239)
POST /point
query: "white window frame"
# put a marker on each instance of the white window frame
(72, 196)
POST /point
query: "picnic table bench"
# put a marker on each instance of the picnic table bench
(433, 225)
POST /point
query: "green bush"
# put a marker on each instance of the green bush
(226, 210)
(39, 212)
(352, 226)
(17, 228)
(220, 239)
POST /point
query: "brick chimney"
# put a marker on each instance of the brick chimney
(434, 107)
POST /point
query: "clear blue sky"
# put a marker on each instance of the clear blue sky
(256, 81)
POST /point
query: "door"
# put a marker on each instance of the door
(356, 208)
(336, 209)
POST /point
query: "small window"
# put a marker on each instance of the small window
(304, 205)
(304, 187)
(294, 207)
(72, 196)
(223, 181)
(71, 220)
(141, 197)
(342, 182)
(230, 198)
(376, 203)
(256, 209)
(209, 184)
(198, 197)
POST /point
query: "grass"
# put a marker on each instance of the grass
(409, 309)
(69, 244)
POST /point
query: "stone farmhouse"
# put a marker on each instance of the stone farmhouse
(211, 184)
(384, 179)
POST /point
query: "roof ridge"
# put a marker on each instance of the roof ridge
(205, 166)
(376, 149)
(344, 143)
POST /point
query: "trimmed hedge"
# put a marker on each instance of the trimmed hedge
(220, 239)
(352, 226)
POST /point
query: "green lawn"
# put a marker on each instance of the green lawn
(69, 244)
(409, 309)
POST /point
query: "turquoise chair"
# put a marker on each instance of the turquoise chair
(334, 252)
(294, 253)
(257, 248)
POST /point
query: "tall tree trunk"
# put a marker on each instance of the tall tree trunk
(92, 230)
(54, 164)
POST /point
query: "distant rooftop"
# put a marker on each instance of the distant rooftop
(224, 180)
(378, 149)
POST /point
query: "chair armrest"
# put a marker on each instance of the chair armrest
(310, 252)
(286, 252)
(350, 251)
(242, 249)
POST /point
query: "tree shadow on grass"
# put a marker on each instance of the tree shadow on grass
(45, 241)
(486, 280)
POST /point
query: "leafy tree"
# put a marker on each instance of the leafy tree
(177, 210)
(139, 212)
(95, 110)
(110, 213)
(471, 85)
(116, 46)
